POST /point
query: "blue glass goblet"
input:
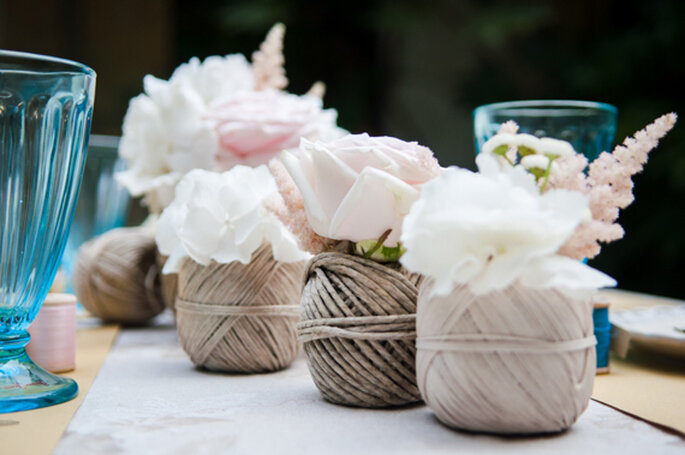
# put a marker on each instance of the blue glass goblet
(589, 126)
(45, 111)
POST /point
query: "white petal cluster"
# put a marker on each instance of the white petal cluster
(544, 146)
(166, 131)
(490, 229)
(221, 217)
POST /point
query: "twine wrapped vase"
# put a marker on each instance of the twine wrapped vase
(358, 330)
(520, 360)
(117, 278)
(240, 318)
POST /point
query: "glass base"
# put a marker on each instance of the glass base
(24, 385)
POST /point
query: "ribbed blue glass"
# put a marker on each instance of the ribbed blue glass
(589, 126)
(45, 111)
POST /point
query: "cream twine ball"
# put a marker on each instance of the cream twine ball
(117, 278)
(240, 318)
(520, 360)
(358, 330)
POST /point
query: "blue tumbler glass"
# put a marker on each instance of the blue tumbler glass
(589, 126)
(46, 106)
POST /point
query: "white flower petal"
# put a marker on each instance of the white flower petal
(315, 213)
(563, 272)
(376, 202)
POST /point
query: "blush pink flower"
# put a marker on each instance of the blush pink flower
(254, 126)
(358, 187)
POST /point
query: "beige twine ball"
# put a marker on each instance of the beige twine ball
(117, 278)
(358, 330)
(240, 318)
(520, 360)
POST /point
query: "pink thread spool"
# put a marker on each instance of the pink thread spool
(53, 334)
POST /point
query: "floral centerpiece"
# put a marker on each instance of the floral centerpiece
(214, 115)
(504, 328)
(346, 200)
(239, 270)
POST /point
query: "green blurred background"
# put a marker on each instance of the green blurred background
(416, 70)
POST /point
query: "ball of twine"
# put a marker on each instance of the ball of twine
(169, 284)
(117, 278)
(520, 360)
(240, 318)
(358, 330)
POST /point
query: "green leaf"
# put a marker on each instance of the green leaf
(501, 150)
(525, 151)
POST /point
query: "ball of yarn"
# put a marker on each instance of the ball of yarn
(117, 278)
(358, 329)
(240, 317)
(169, 284)
(520, 360)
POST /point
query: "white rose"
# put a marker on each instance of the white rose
(222, 217)
(491, 229)
(357, 187)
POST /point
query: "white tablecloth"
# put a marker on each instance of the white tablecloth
(148, 399)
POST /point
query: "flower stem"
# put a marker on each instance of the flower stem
(379, 243)
(548, 171)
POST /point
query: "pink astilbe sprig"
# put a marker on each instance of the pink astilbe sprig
(318, 90)
(608, 186)
(508, 127)
(268, 61)
(289, 208)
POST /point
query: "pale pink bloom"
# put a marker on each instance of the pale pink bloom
(358, 187)
(255, 126)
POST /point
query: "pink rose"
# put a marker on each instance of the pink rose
(357, 187)
(254, 126)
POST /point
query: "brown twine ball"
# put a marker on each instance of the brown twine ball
(358, 330)
(240, 318)
(519, 360)
(117, 278)
(169, 284)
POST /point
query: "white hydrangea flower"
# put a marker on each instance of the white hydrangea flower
(222, 217)
(492, 229)
(166, 132)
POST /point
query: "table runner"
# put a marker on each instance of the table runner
(37, 431)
